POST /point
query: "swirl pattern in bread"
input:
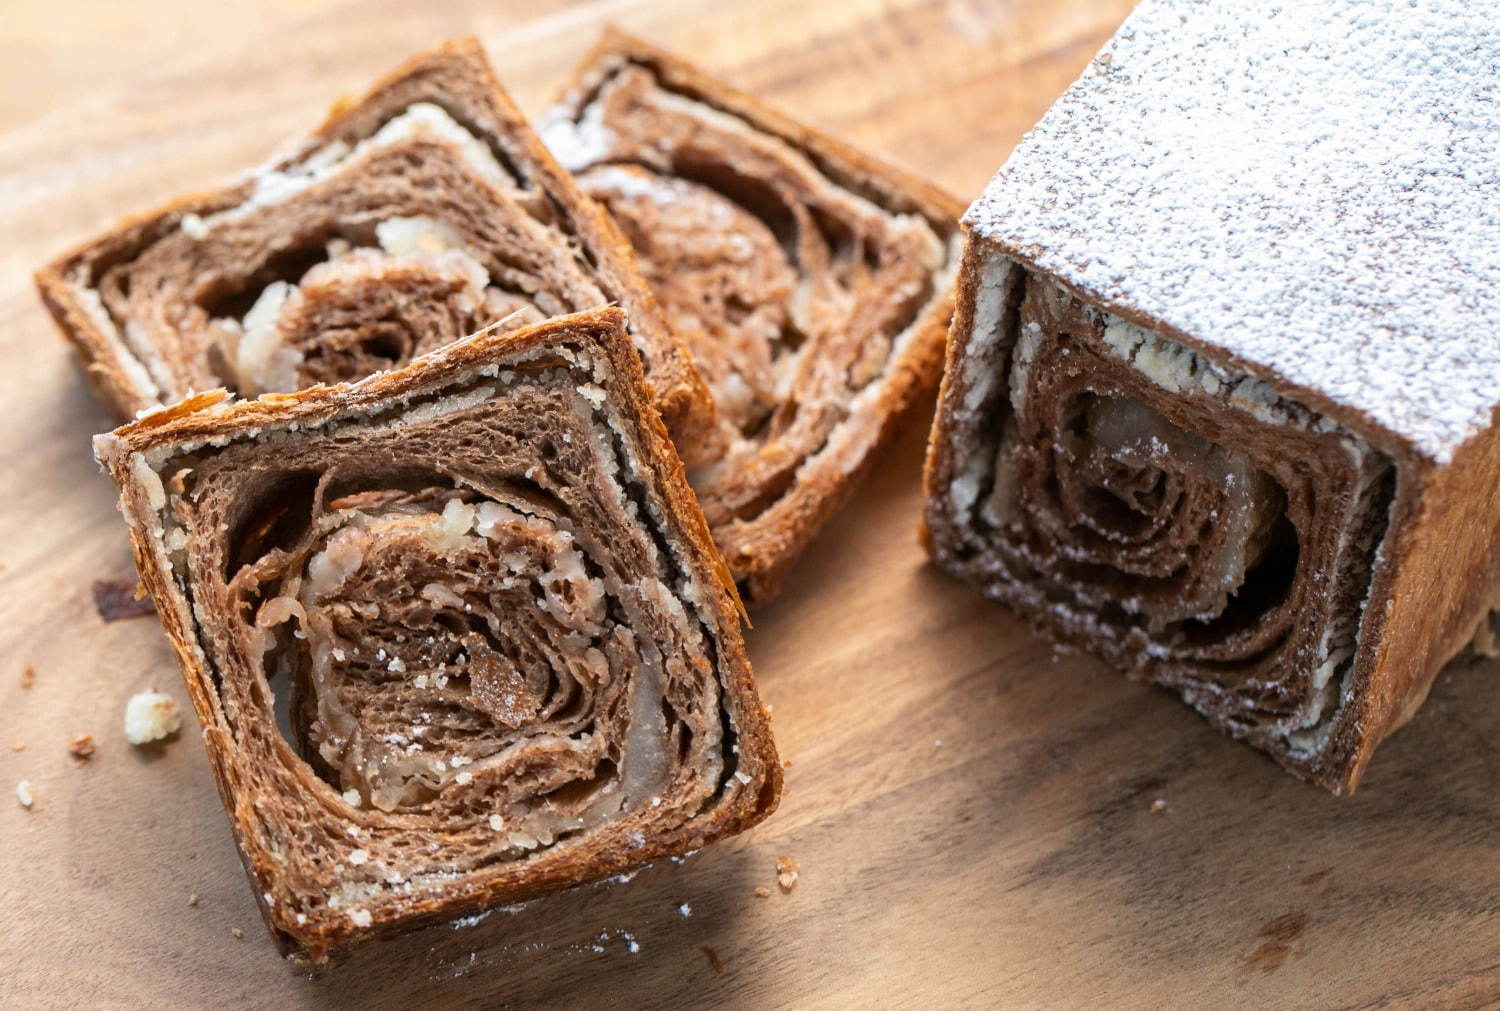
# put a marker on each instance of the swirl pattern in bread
(456, 634)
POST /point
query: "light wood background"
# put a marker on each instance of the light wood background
(971, 812)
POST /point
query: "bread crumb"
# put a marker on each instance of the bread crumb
(82, 747)
(684, 910)
(763, 893)
(193, 899)
(358, 857)
(117, 599)
(361, 918)
(496, 823)
(786, 873)
(17, 745)
(1158, 806)
(28, 678)
(237, 932)
(351, 797)
(151, 716)
(713, 959)
(23, 793)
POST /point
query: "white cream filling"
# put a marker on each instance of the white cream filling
(421, 119)
(263, 361)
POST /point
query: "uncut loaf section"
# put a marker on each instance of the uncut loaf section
(411, 218)
(456, 634)
(1221, 397)
(811, 283)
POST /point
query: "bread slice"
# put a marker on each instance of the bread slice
(810, 281)
(412, 217)
(456, 634)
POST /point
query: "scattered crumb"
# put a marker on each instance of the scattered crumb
(351, 797)
(713, 959)
(82, 747)
(28, 678)
(17, 745)
(150, 716)
(237, 932)
(361, 918)
(496, 823)
(684, 910)
(358, 857)
(786, 873)
(23, 793)
(193, 899)
(116, 599)
(786, 763)
(937, 744)
(763, 893)
(1158, 806)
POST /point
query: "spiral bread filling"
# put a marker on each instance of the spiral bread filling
(422, 214)
(1180, 518)
(460, 645)
(810, 285)
(1221, 401)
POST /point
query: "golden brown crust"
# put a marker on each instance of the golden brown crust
(212, 420)
(767, 503)
(458, 77)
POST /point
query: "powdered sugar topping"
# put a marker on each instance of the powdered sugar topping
(1310, 187)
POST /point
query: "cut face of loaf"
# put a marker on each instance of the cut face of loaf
(1222, 388)
(810, 282)
(456, 634)
(1180, 519)
(411, 218)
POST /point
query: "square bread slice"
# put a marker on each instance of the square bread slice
(456, 634)
(811, 283)
(412, 217)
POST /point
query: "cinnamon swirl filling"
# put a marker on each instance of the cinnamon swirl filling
(811, 304)
(463, 644)
(1177, 517)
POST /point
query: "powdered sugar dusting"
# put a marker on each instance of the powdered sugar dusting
(1310, 186)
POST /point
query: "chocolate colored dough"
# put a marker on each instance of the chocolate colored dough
(1222, 398)
(456, 634)
(423, 212)
(810, 282)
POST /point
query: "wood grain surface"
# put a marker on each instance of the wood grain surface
(972, 813)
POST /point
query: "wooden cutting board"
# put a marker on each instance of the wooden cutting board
(972, 812)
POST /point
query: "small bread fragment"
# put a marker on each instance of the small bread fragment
(151, 716)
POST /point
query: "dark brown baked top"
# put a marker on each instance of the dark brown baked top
(456, 634)
(809, 282)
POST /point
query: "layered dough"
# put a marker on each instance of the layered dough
(453, 644)
(810, 284)
(418, 216)
(1176, 516)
